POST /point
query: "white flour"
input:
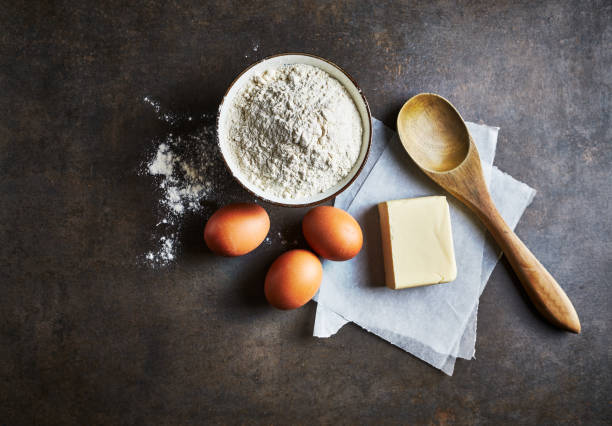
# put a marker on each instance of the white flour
(294, 131)
(184, 178)
(186, 169)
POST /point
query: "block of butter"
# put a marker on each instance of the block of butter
(417, 242)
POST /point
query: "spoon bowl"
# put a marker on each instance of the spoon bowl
(436, 137)
(439, 139)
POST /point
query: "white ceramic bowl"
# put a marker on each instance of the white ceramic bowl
(285, 59)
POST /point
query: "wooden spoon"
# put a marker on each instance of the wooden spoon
(435, 136)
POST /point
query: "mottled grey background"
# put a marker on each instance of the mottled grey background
(88, 336)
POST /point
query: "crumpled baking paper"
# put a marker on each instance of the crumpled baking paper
(435, 323)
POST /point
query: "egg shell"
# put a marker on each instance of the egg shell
(332, 233)
(293, 279)
(236, 229)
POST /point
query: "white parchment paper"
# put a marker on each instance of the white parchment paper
(437, 323)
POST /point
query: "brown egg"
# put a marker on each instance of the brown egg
(293, 279)
(236, 229)
(332, 233)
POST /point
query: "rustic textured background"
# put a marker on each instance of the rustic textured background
(88, 335)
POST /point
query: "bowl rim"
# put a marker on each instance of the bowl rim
(365, 157)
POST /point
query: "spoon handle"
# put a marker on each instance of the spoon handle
(543, 290)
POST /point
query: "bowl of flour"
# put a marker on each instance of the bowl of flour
(294, 129)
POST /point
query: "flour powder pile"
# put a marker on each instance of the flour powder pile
(184, 167)
(187, 170)
(294, 131)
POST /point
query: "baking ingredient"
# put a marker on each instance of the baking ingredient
(188, 173)
(332, 233)
(294, 131)
(417, 242)
(293, 279)
(236, 229)
(183, 182)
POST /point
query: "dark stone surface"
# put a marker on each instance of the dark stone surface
(87, 335)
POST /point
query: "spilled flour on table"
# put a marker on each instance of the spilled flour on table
(187, 171)
(183, 168)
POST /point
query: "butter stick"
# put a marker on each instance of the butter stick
(417, 242)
